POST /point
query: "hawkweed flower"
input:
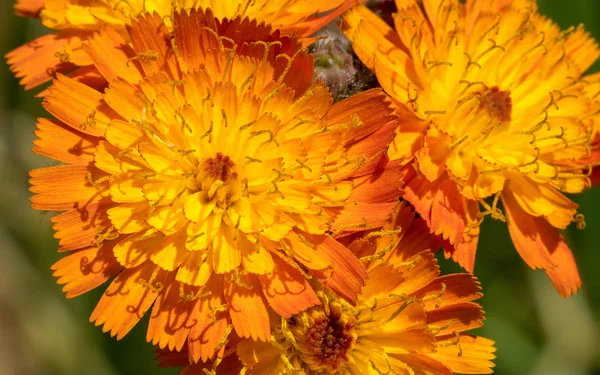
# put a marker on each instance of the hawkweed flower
(495, 109)
(209, 179)
(74, 21)
(408, 319)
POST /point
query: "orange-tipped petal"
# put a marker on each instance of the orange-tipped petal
(542, 246)
(127, 299)
(248, 309)
(287, 290)
(86, 269)
(64, 187)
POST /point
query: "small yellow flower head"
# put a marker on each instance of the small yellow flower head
(496, 109)
(408, 320)
(75, 20)
(208, 175)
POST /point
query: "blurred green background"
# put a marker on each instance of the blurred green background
(43, 333)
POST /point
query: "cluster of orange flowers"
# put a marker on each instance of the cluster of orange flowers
(272, 231)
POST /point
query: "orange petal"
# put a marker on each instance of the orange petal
(248, 310)
(421, 364)
(383, 185)
(38, 61)
(372, 108)
(306, 252)
(148, 34)
(76, 228)
(358, 216)
(192, 40)
(542, 246)
(565, 276)
(207, 329)
(254, 353)
(168, 326)
(129, 217)
(312, 24)
(447, 213)
(170, 252)
(64, 187)
(111, 55)
(456, 318)
(136, 249)
(287, 290)
(127, 299)
(422, 272)
(419, 192)
(255, 257)
(29, 8)
(383, 279)
(78, 106)
(124, 98)
(348, 275)
(84, 270)
(464, 251)
(457, 288)
(414, 237)
(476, 358)
(196, 269)
(59, 142)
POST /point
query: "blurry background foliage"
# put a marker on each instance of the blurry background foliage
(43, 333)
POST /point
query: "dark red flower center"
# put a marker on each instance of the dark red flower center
(497, 103)
(220, 167)
(328, 341)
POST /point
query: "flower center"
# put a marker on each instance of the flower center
(220, 167)
(328, 338)
(497, 103)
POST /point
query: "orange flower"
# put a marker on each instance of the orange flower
(75, 20)
(209, 177)
(495, 111)
(408, 320)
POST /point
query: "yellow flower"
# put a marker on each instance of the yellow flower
(408, 320)
(495, 110)
(75, 20)
(209, 177)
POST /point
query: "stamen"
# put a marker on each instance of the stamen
(579, 221)
(271, 136)
(302, 165)
(208, 132)
(110, 234)
(343, 227)
(213, 370)
(225, 338)
(246, 126)
(276, 190)
(90, 121)
(434, 64)
(253, 160)
(96, 183)
(184, 124)
(459, 142)
(214, 187)
(192, 296)
(217, 309)
(146, 57)
(436, 296)
(156, 287)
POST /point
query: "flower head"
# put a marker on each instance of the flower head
(496, 110)
(75, 20)
(208, 177)
(408, 320)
